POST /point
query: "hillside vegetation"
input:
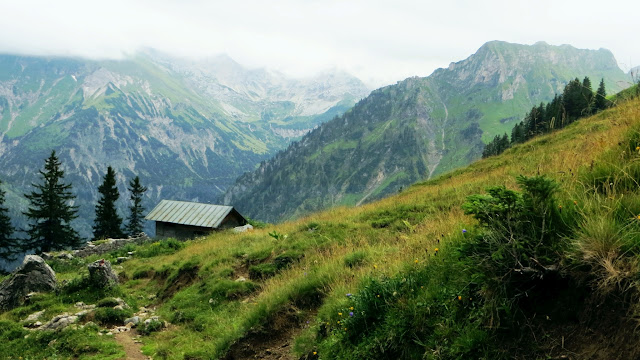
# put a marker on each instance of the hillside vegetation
(416, 129)
(543, 265)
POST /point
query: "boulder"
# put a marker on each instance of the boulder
(135, 320)
(244, 228)
(59, 322)
(101, 275)
(34, 275)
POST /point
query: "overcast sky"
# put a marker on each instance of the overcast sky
(379, 41)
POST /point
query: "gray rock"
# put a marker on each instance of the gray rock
(65, 256)
(34, 275)
(34, 317)
(244, 228)
(59, 322)
(101, 275)
(134, 320)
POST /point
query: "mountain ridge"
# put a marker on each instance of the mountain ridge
(186, 136)
(415, 129)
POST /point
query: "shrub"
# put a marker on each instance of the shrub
(283, 260)
(151, 326)
(262, 271)
(111, 316)
(519, 240)
(143, 273)
(107, 302)
(230, 290)
(355, 259)
(164, 247)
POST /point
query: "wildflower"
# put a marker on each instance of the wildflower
(349, 295)
(436, 249)
(638, 217)
(637, 148)
(345, 329)
(415, 261)
(351, 313)
(338, 321)
(575, 202)
(379, 294)
(339, 314)
(375, 266)
(459, 297)
(351, 308)
(315, 353)
(464, 231)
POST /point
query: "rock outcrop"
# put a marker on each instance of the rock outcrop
(34, 275)
(110, 245)
(101, 275)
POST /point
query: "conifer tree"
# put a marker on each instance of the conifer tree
(108, 223)
(600, 102)
(134, 225)
(572, 100)
(50, 211)
(587, 95)
(8, 244)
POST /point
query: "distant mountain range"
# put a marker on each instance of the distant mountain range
(187, 128)
(416, 129)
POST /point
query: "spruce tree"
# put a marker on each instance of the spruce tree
(50, 211)
(108, 224)
(8, 244)
(587, 95)
(134, 225)
(600, 102)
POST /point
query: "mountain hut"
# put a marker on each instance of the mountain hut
(185, 220)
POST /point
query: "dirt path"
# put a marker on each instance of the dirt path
(132, 349)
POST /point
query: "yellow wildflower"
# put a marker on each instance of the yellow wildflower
(340, 314)
(459, 297)
(315, 353)
(415, 261)
(351, 308)
(436, 249)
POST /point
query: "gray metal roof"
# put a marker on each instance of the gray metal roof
(189, 213)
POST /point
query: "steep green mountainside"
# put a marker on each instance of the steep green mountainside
(187, 128)
(531, 254)
(416, 129)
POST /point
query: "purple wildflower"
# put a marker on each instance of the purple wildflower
(349, 295)
(351, 313)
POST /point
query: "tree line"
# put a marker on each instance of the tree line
(576, 101)
(51, 211)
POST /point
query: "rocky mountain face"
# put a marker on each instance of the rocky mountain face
(416, 129)
(187, 128)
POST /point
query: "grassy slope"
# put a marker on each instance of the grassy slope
(332, 253)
